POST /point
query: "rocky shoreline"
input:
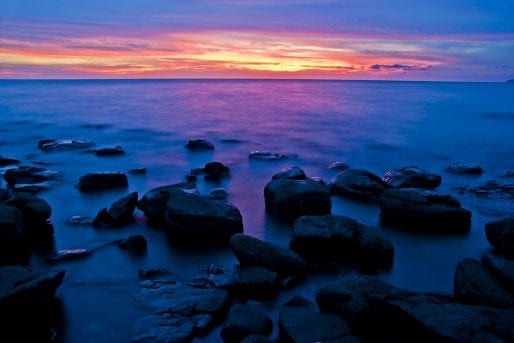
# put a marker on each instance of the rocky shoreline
(348, 309)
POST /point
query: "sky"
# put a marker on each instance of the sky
(453, 40)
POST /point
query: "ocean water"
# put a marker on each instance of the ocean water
(371, 125)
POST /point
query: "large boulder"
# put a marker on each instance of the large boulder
(299, 322)
(63, 144)
(119, 213)
(201, 220)
(36, 214)
(501, 268)
(135, 244)
(417, 211)
(474, 285)
(358, 184)
(380, 312)
(29, 175)
(500, 234)
(102, 181)
(13, 247)
(412, 177)
(341, 238)
(153, 203)
(245, 320)
(251, 251)
(289, 195)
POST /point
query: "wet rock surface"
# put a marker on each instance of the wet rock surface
(291, 173)
(500, 234)
(138, 171)
(245, 320)
(338, 166)
(119, 213)
(359, 184)
(108, 151)
(265, 156)
(199, 144)
(49, 145)
(69, 255)
(412, 177)
(5, 161)
(29, 175)
(465, 168)
(92, 182)
(135, 244)
(501, 268)
(13, 246)
(422, 211)
(212, 171)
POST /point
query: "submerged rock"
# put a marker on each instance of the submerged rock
(135, 244)
(29, 175)
(341, 238)
(13, 247)
(68, 255)
(110, 151)
(36, 214)
(254, 252)
(138, 171)
(102, 181)
(359, 184)
(474, 285)
(119, 213)
(500, 234)
(493, 190)
(412, 177)
(501, 268)
(464, 168)
(199, 144)
(338, 166)
(424, 211)
(201, 220)
(291, 173)
(4, 161)
(212, 171)
(79, 220)
(153, 203)
(63, 144)
(245, 320)
(265, 156)
(218, 193)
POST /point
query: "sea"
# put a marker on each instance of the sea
(371, 125)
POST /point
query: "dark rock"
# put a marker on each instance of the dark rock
(153, 273)
(153, 203)
(29, 175)
(493, 190)
(102, 181)
(299, 322)
(412, 177)
(245, 320)
(68, 255)
(465, 168)
(114, 151)
(293, 198)
(199, 144)
(177, 313)
(4, 194)
(33, 188)
(218, 193)
(419, 211)
(215, 171)
(242, 281)
(501, 268)
(338, 166)
(291, 173)
(79, 220)
(191, 177)
(232, 141)
(508, 174)
(397, 315)
(25, 295)
(119, 213)
(42, 163)
(474, 285)
(4, 161)
(201, 220)
(341, 238)
(13, 248)
(63, 144)
(135, 244)
(265, 156)
(358, 184)
(138, 171)
(36, 214)
(257, 339)
(254, 252)
(500, 234)
(95, 126)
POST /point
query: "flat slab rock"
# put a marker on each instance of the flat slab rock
(64, 144)
(379, 311)
(177, 313)
(102, 181)
(412, 177)
(29, 175)
(358, 184)
(424, 211)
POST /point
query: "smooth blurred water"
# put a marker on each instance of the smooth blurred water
(370, 125)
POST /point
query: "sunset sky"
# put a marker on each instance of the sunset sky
(321, 39)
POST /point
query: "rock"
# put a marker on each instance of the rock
(153, 273)
(13, 248)
(494, 190)
(293, 198)
(102, 181)
(68, 255)
(137, 171)
(338, 166)
(359, 184)
(177, 313)
(153, 203)
(79, 220)
(26, 296)
(412, 177)
(464, 168)
(218, 193)
(119, 213)
(4, 161)
(474, 285)
(201, 220)
(299, 322)
(231, 141)
(32, 188)
(245, 320)
(419, 211)
(63, 144)
(135, 244)
(501, 268)
(508, 174)
(242, 281)
(339, 238)
(500, 234)
(29, 175)
(291, 173)
(215, 171)
(378, 311)
(199, 144)
(4, 194)
(257, 339)
(36, 214)
(254, 252)
(265, 156)
(114, 151)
